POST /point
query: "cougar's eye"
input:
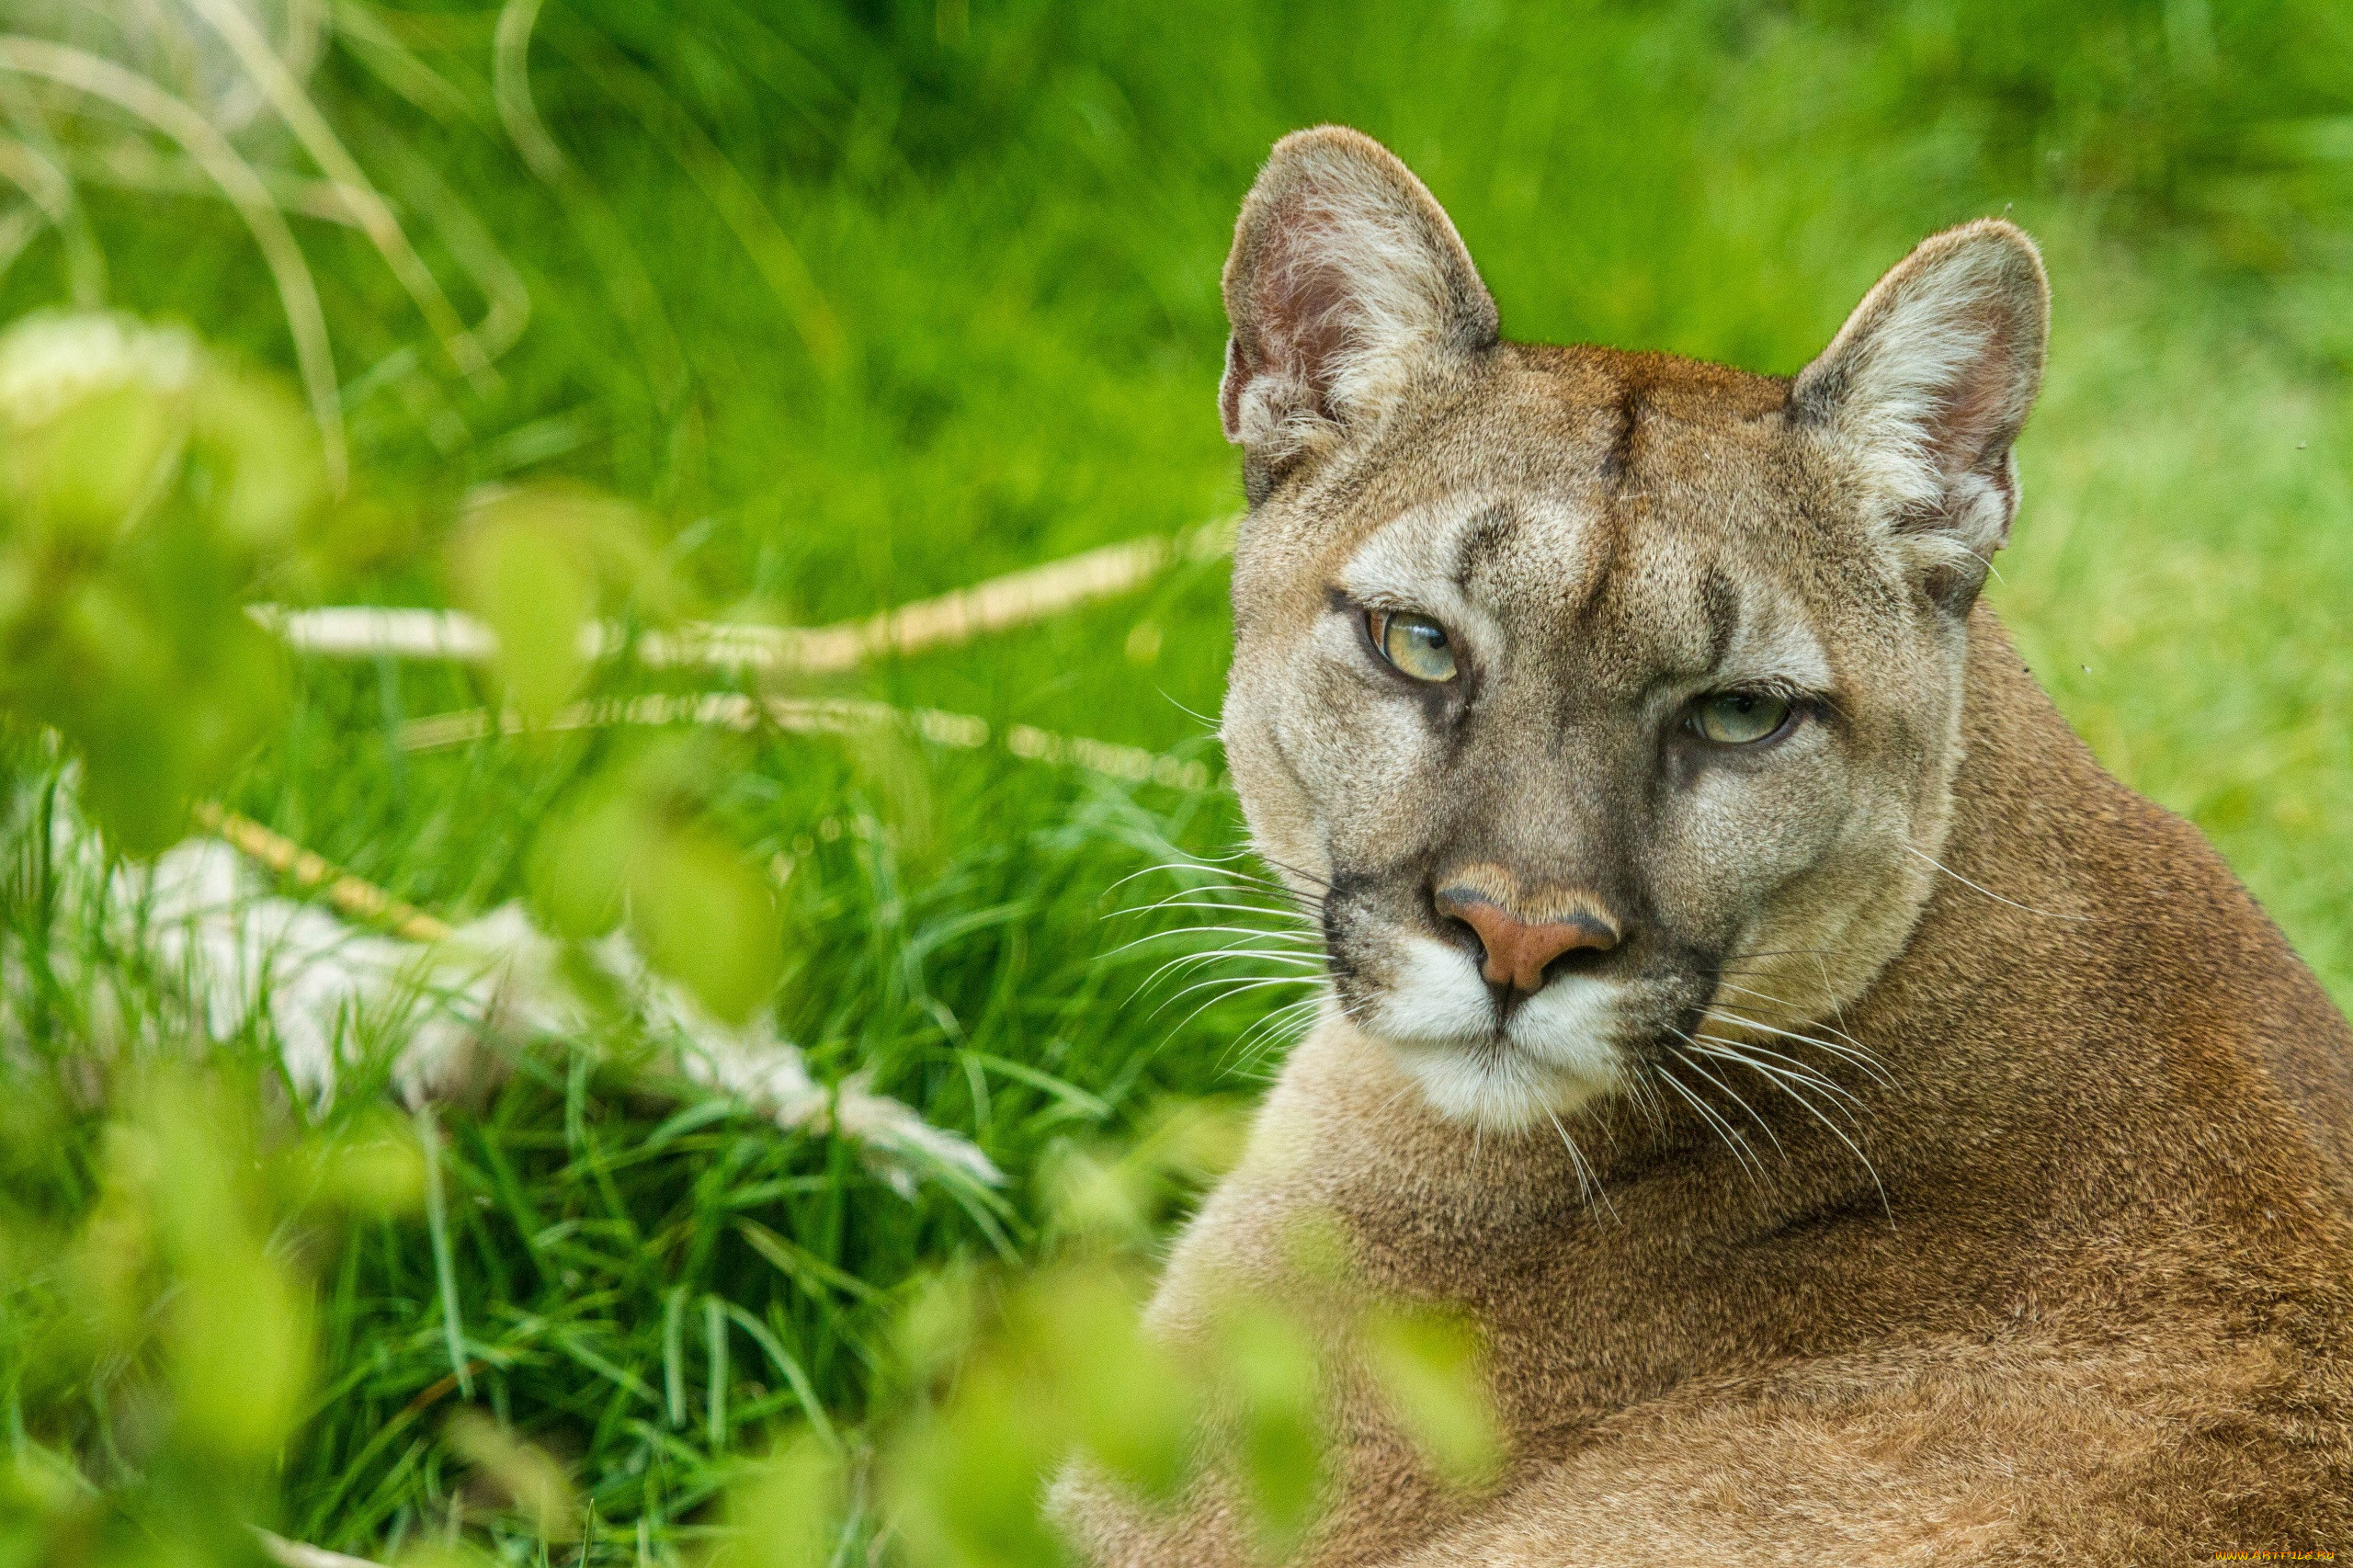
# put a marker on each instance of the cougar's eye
(1739, 718)
(1415, 643)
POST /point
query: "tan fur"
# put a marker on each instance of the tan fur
(2075, 1282)
(1501, 885)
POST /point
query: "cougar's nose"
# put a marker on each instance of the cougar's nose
(1517, 951)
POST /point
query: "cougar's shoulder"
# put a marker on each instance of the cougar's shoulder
(2129, 956)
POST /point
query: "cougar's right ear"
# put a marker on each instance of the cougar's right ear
(1346, 279)
(1925, 389)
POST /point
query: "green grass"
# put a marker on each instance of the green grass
(1013, 220)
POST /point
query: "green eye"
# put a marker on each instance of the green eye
(1739, 718)
(1415, 643)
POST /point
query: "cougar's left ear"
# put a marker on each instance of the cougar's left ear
(1346, 279)
(1926, 387)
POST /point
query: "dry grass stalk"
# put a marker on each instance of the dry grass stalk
(1018, 598)
(816, 715)
(351, 896)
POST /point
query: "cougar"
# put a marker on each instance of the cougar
(1860, 1129)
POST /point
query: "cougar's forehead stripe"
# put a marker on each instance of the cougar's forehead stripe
(1710, 623)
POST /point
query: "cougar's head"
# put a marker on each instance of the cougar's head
(1594, 697)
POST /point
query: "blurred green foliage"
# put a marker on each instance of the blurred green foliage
(539, 563)
(638, 847)
(144, 485)
(162, 1343)
(1018, 1380)
(805, 311)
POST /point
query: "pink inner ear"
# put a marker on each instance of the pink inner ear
(1311, 313)
(1343, 278)
(1303, 315)
(1982, 402)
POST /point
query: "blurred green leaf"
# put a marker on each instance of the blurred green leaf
(1428, 1364)
(143, 485)
(967, 1475)
(706, 917)
(786, 1513)
(539, 562)
(241, 1329)
(190, 1333)
(524, 567)
(524, 1476)
(1133, 1405)
(639, 844)
(1271, 1359)
(372, 1166)
(263, 474)
(937, 1326)
(1097, 1195)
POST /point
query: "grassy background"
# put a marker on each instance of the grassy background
(865, 302)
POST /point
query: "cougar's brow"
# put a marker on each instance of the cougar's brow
(1486, 534)
(1720, 601)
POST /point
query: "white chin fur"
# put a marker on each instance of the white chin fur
(1554, 1055)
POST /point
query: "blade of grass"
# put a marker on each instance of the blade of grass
(445, 1268)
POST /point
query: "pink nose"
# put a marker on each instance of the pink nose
(1517, 951)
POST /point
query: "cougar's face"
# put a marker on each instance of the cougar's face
(1599, 702)
(1588, 718)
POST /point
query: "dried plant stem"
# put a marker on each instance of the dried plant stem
(1018, 598)
(816, 715)
(373, 214)
(352, 896)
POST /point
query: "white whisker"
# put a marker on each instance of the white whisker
(1739, 1050)
(1733, 1139)
(1815, 1111)
(1795, 1009)
(1866, 1060)
(1271, 912)
(1737, 1100)
(1240, 989)
(1588, 1185)
(1255, 933)
(1997, 898)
